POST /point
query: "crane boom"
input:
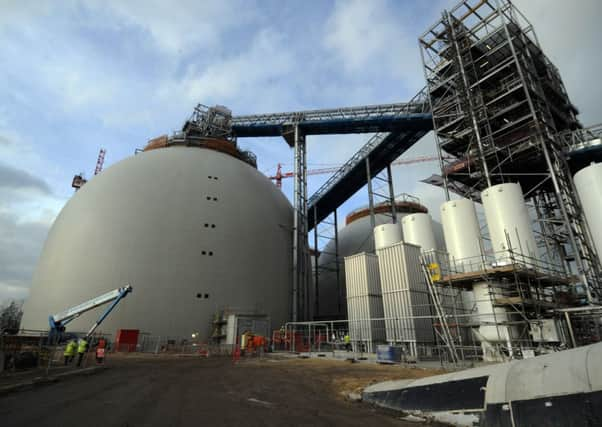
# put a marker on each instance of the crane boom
(280, 175)
(59, 320)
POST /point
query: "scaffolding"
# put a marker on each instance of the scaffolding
(528, 291)
(499, 108)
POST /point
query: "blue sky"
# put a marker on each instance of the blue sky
(80, 75)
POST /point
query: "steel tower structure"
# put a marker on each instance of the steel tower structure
(498, 106)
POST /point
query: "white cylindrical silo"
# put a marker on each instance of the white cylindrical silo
(418, 230)
(588, 182)
(509, 224)
(462, 235)
(386, 235)
(489, 316)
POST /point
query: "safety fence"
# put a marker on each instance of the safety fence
(178, 345)
(470, 338)
(30, 350)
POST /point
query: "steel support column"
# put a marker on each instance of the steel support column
(300, 246)
(391, 195)
(316, 266)
(370, 196)
(337, 263)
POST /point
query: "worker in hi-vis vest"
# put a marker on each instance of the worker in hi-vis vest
(81, 350)
(347, 341)
(69, 352)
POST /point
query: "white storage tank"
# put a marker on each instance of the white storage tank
(491, 331)
(192, 229)
(462, 235)
(463, 241)
(364, 301)
(418, 230)
(488, 314)
(588, 182)
(386, 235)
(510, 227)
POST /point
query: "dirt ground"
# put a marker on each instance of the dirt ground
(344, 377)
(172, 391)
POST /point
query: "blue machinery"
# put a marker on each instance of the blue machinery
(60, 320)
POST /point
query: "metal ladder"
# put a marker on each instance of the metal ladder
(445, 333)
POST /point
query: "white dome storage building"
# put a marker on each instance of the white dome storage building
(193, 230)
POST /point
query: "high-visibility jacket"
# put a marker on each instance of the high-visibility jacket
(81, 347)
(70, 348)
(347, 339)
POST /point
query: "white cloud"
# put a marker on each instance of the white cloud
(570, 35)
(177, 28)
(368, 37)
(12, 292)
(109, 60)
(20, 246)
(27, 209)
(253, 77)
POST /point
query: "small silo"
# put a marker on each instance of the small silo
(418, 230)
(509, 224)
(462, 235)
(386, 235)
(588, 182)
(194, 229)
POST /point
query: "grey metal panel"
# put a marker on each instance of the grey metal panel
(354, 238)
(364, 300)
(405, 294)
(142, 221)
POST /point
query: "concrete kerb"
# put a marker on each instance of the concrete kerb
(41, 380)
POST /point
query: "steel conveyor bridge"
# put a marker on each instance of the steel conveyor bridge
(397, 127)
(363, 119)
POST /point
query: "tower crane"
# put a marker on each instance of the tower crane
(100, 161)
(60, 320)
(79, 180)
(281, 175)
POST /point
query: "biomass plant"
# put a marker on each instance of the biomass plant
(508, 142)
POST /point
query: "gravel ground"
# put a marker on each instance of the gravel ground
(171, 391)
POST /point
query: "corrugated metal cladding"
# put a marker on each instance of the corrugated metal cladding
(364, 300)
(405, 295)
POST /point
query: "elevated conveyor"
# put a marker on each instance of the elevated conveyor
(381, 150)
(397, 126)
(363, 119)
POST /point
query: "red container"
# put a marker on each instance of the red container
(126, 340)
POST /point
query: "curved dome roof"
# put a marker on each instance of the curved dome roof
(192, 230)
